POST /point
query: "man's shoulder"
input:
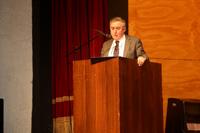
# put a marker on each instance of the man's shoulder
(132, 37)
(108, 41)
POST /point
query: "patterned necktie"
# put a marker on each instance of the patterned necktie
(116, 51)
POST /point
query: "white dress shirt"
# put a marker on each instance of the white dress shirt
(121, 47)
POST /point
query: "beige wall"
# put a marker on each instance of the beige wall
(16, 64)
(170, 32)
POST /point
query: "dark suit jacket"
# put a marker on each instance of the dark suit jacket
(133, 48)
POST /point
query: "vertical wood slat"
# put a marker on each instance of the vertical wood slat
(95, 110)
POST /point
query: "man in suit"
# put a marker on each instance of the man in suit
(123, 45)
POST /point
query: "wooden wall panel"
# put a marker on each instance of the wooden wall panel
(170, 31)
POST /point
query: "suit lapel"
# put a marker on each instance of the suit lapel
(108, 46)
(127, 44)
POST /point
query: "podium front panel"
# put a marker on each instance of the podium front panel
(115, 95)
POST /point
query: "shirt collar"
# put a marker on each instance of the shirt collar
(121, 39)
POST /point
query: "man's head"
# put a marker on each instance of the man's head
(117, 27)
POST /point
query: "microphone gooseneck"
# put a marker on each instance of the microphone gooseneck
(103, 34)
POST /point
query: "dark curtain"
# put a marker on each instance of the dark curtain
(74, 36)
(42, 100)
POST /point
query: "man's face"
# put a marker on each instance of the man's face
(117, 29)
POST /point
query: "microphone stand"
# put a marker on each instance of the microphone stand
(78, 48)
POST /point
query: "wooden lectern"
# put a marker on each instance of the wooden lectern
(115, 95)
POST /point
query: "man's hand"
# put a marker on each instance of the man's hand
(141, 60)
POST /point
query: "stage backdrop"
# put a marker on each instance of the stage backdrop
(75, 35)
(170, 32)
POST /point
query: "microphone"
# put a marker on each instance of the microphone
(104, 34)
